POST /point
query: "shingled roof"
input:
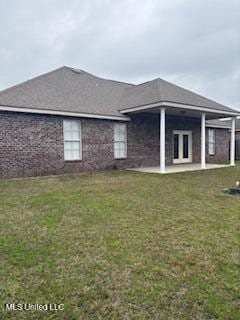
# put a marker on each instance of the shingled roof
(71, 90)
(219, 123)
(223, 123)
(159, 90)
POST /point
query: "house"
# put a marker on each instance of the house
(68, 120)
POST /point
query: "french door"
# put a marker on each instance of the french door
(182, 146)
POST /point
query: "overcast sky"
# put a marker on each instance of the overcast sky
(193, 43)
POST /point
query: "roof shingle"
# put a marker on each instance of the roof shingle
(72, 90)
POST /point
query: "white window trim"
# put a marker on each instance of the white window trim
(75, 140)
(212, 143)
(125, 141)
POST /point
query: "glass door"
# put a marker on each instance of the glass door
(182, 146)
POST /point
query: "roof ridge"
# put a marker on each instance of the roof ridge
(158, 85)
(135, 86)
(2, 92)
(93, 75)
(145, 82)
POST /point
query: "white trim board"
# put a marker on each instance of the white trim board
(216, 126)
(63, 113)
(97, 116)
(178, 105)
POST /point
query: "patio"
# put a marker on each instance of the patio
(182, 138)
(179, 168)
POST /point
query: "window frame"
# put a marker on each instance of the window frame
(211, 142)
(120, 140)
(73, 140)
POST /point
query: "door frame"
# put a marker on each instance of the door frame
(180, 144)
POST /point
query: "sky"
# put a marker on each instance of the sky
(192, 43)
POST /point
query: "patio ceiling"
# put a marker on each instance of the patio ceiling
(180, 112)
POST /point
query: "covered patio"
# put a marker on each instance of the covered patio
(183, 155)
(179, 168)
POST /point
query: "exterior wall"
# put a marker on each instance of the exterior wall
(237, 133)
(32, 145)
(143, 140)
(181, 123)
(237, 144)
(221, 147)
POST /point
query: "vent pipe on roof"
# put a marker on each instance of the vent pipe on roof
(77, 71)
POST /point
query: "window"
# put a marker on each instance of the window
(185, 146)
(120, 140)
(72, 140)
(176, 145)
(211, 141)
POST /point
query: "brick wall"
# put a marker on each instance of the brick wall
(32, 145)
(222, 146)
(143, 140)
(237, 145)
(181, 123)
(237, 133)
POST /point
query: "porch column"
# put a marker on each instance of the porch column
(232, 152)
(203, 141)
(162, 140)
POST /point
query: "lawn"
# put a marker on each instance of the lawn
(122, 245)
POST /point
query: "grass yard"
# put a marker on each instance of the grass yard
(122, 245)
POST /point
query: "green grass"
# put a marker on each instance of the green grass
(122, 245)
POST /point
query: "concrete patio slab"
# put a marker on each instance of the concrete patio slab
(179, 168)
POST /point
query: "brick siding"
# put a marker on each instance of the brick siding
(222, 146)
(32, 145)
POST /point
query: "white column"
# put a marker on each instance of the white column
(203, 141)
(162, 140)
(232, 152)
